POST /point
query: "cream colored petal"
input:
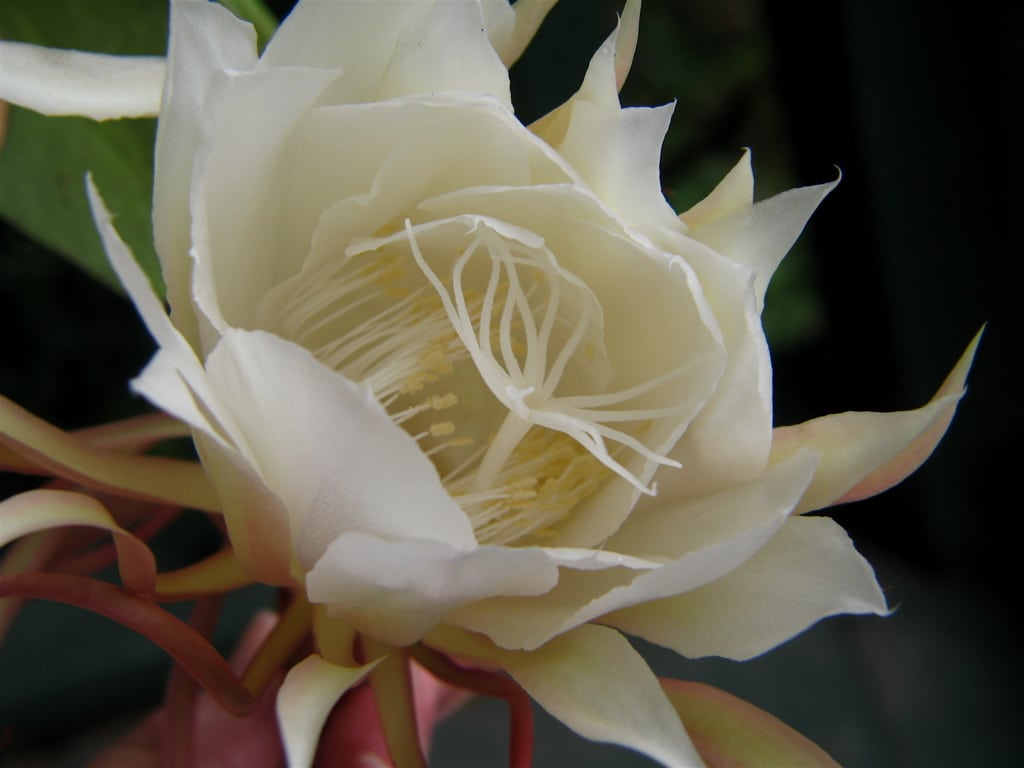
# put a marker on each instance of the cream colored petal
(761, 235)
(204, 37)
(807, 571)
(732, 732)
(328, 450)
(729, 441)
(309, 692)
(617, 152)
(693, 545)
(175, 374)
(397, 591)
(176, 382)
(734, 193)
(396, 154)
(511, 33)
(864, 453)
(238, 204)
(593, 681)
(446, 50)
(388, 49)
(626, 36)
(95, 85)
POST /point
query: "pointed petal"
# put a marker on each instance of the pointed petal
(626, 36)
(593, 681)
(733, 193)
(396, 591)
(446, 50)
(204, 37)
(864, 453)
(616, 151)
(309, 692)
(61, 82)
(43, 510)
(528, 17)
(761, 235)
(327, 448)
(808, 570)
(732, 733)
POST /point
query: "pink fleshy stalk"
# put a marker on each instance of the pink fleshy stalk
(353, 738)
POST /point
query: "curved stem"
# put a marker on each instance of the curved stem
(488, 684)
(290, 630)
(176, 733)
(186, 646)
(392, 688)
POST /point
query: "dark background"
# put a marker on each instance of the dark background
(907, 258)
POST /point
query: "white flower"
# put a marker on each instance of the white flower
(456, 373)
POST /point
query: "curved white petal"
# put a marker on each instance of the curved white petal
(328, 450)
(387, 49)
(396, 591)
(95, 85)
(864, 453)
(511, 33)
(735, 192)
(728, 442)
(807, 571)
(309, 692)
(761, 235)
(446, 50)
(204, 37)
(593, 681)
(238, 205)
(616, 151)
(683, 548)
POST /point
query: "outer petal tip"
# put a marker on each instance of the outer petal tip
(865, 453)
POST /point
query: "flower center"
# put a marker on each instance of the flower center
(470, 361)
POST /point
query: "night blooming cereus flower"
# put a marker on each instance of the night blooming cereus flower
(473, 384)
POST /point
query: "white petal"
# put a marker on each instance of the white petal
(807, 571)
(733, 193)
(396, 591)
(864, 453)
(61, 82)
(728, 443)
(694, 544)
(391, 48)
(618, 153)
(204, 37)
(328, 449)
(176, 356)
(593, 681)
(446, 50)
(238, 205)
(510, 37)
(761, 235)
(307, 696)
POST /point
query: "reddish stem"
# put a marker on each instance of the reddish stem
(186, 646)
(488, 684)
(104, 556)
(176, 734)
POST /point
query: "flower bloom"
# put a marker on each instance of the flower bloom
(474, 383)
